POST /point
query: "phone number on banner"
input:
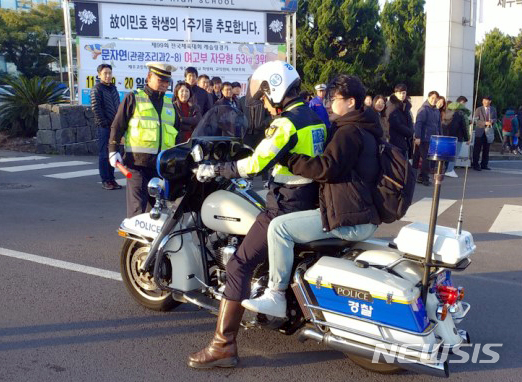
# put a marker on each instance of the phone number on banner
(123, 55)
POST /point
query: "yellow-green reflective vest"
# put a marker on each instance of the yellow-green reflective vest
(298, 131)
(148, 133)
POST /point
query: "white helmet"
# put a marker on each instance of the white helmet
(273, 79)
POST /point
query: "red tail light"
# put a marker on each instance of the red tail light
(448, 295)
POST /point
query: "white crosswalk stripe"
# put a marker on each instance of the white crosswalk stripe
(420, 211)
(16, 159)
(43, 166)
(74, 174)
(506, 171)
(508, 221)
(61, 175)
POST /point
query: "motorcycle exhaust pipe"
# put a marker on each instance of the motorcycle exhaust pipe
(345, 345)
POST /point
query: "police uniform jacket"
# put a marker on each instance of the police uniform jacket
(121, 122)
(296, 130)
(346, 171)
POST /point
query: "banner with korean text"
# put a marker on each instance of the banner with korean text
(185, 24)
(231, 62)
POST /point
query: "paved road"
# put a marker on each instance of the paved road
(70, 321)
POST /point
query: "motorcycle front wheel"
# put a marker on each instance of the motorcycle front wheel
(141, 285)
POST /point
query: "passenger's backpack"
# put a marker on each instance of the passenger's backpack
(393, 193)
(507, 124)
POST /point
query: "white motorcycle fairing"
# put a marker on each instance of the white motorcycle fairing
(143, 225)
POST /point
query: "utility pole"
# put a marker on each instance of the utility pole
(68, 41)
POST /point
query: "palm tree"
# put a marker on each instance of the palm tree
(19, 102)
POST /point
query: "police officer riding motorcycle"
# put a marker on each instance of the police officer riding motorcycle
(295, 129)
(205, 241)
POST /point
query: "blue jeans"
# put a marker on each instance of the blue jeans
(451, 164)
(106, 170)
(302, 227)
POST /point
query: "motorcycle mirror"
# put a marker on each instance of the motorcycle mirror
(155, 187)
(197, 153)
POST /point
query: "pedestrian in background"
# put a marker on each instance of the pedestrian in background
(485, 119)
(510, 131)
(105, 100)
(379, 106)
(210, 90)
(441, 106)
(236, 90)
(203, 81)
(519, 119)
(317, 104)
(455, 124)
(199, 96)
(368, 101)
(217, 88)
(189, 113)
(398, 117)
(427, 123)
(228, 96)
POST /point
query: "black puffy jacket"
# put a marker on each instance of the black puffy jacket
(345, 200)
(399, 121)
(105, 100)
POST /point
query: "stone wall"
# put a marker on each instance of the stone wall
(66, 129)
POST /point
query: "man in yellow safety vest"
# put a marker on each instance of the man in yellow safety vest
(148, 121)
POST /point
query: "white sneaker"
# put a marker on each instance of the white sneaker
(452, 174)
(270, 303)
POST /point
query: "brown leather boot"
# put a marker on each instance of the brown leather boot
(222, 350)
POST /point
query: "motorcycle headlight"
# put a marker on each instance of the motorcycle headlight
(155, 187)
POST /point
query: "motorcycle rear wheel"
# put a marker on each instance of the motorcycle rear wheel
(381, 368)
(141, 285)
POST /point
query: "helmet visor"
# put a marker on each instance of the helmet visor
(254, 91)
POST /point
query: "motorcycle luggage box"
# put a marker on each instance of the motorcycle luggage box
(448, 246)
(339, 285)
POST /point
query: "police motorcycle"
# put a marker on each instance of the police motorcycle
(387, 305)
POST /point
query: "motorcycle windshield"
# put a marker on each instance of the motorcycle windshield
(222, 121)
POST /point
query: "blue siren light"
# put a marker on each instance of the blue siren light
(442, 148)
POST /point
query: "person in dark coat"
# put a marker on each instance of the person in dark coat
(379, 106)
(189, 113)
(203, 83)
(427, 124)
(454, 124)
(485, 118)
(345, 172)
(228, 96)
(199, 96)
(105, 100)
(519, 118)
(217, 83)
(398, 117)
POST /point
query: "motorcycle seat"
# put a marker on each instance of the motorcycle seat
(324, 246)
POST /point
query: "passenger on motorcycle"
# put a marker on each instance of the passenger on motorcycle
(345, 171)
(296, 129)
